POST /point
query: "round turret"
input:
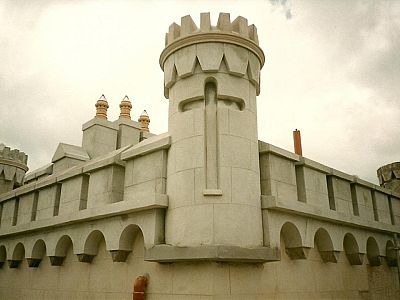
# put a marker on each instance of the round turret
(211, 78)
(13, 166)
(389, 176)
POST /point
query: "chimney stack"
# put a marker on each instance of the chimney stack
(144, 121)
(101, 107)
(125, 108)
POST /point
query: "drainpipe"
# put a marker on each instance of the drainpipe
(297, 142)
(397, 249)
(139, 287)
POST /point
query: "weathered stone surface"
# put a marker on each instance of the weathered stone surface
(167, 253)
(33, 262)
(56, 260)
(355, 258)
(119, 255)
(13, 263)
(297, 252)
(86, 258)
(330, 256)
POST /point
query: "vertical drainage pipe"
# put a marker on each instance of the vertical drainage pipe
(139, 287)
(297, 142)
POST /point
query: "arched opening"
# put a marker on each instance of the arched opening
(17, 256)
(92, 242)
(38, 251)
(126, 242)
(373, 252)
(91, 246)
(128, 236)
(3, 255)
(391, 255)
(351, 250)
(324, 245)
(293, 243)
(62, 247)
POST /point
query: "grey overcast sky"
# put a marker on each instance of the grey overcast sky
(332, 70)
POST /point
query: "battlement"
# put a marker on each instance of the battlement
(12, 168)
(135, 177)
(230, 47)
(13, 155)
(205, 193)
(239, 27)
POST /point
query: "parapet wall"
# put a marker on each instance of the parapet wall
(133, 179)
(98, 192)
(311, 205)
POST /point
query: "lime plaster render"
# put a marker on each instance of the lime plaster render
(207, 210)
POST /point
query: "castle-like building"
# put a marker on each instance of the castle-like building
(204, 211)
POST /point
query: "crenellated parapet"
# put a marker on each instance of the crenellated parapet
(389, 176)
(13, 166)
(228, 47)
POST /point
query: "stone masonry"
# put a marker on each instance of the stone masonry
(203, 211)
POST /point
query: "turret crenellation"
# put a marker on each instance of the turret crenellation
(13, 166)
(389, 176)
(238, 27)
(229, 45)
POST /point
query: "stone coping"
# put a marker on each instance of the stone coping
(127, 122)
(168, 254)
(154, 143)
(93, 213)
(14, 163)
(212, 37)
(308, 210)
(112, 158)
(101, 122)
(70, 151)
(45, 170)
(303, 161)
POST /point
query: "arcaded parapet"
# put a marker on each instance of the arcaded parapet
(389, 176)
(211, 81)
(13, 166)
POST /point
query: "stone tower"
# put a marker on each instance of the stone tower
(389, 176)
(12, 168)
(211, 78)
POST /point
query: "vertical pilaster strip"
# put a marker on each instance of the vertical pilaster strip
(211, 135)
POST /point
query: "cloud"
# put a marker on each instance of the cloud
(332, 71)
(284, 5)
